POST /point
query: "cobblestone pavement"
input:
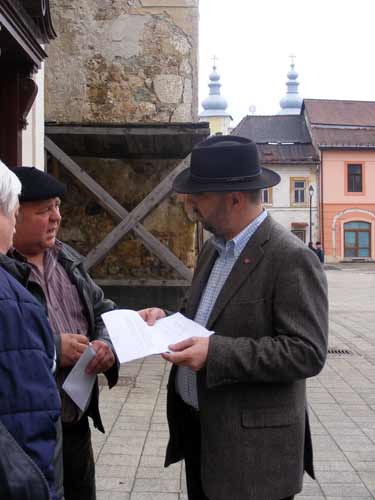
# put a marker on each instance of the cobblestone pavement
(342, 400)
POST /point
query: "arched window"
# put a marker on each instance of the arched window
(357, 239)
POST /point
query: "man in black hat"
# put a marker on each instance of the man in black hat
(54, 273)
(237, 407)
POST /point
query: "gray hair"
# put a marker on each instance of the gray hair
(10, 189)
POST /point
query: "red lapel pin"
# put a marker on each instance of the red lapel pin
(246, 261)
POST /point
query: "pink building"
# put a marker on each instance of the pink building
(344, 134)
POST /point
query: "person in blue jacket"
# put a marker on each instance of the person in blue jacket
(29, 400)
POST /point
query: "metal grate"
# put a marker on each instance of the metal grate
(336, 351)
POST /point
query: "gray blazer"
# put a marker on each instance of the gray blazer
(271, 329)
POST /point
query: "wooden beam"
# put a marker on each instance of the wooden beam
(127, 141)
(150, 129)
(163, 252)
(153, 199)
(118, 211)
(100, 194)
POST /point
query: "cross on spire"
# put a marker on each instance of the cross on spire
(292, 57)
(215, 58)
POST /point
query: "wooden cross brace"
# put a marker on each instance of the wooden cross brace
(129, 220)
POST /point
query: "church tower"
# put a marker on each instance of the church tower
(291, 103)
(214, 106)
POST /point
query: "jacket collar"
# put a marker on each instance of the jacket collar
(16, 263)
(69, 255)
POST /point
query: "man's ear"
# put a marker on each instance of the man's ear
(237, 198)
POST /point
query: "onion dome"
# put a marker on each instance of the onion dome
(291, 103)
(215, 104)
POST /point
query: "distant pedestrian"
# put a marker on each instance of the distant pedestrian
(311, 246)
(319, 251)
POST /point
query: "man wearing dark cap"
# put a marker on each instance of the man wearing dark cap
(55, 275)
(237, 407)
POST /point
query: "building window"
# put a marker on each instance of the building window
(298, 193)
(354, 178)
(267, 196)
(357, 237)
(300, 233)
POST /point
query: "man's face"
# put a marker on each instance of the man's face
(37, 226)
(211, 210)
(7, 230)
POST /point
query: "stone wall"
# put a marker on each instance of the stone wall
(123, 61)
(118, 61)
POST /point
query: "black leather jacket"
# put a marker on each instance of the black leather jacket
(92, 298)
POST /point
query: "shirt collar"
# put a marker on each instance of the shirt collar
(235, 246)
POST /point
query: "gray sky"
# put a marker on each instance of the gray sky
(333, 40)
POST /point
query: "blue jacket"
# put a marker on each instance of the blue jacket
(29, 401)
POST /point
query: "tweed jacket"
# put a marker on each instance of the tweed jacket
(271, 328)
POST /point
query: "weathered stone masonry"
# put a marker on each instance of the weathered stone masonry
(123, 61)
(119, 61)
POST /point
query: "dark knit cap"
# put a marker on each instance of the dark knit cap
(38, 185)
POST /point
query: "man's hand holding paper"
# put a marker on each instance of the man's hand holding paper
(151, 315)
(134, 338)
(191, 352)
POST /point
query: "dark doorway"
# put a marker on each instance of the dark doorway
(357, 239)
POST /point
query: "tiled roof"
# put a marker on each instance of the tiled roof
(331, 112)
(287, 154)
(280, 139)
(344, 137)
(279, 128)
(341, 124)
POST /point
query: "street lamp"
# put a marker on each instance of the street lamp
(311, 192)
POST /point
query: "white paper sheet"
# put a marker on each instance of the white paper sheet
(133, 338)
(78, 384)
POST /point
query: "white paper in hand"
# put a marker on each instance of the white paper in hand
(133, 338)
(78, 384)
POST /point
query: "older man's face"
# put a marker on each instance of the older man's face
(37, 227)
(7, 230)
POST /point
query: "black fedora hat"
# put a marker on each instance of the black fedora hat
(225, 163)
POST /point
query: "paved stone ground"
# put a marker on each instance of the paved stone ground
(342, 399)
